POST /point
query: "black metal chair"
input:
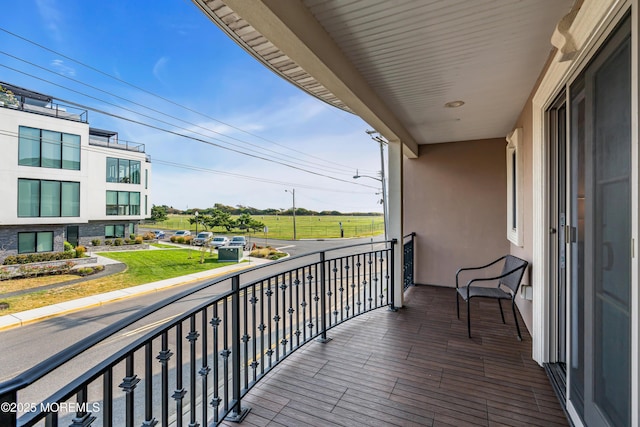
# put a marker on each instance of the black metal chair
(507, 286)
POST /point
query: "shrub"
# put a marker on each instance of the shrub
(108, 242)
(80, 251)
(180, 239)
(138, 240)
(268, 252)
(132, 236)
(84, 271)
(95, 242)
(68, 246)
(38, 257)
(117, 242)
(188, 239)
(173, 239)
(148, 236)
(127, 241)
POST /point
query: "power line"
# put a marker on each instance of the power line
(168, 130)
(323, 167)
(96, 149)
(332, 163)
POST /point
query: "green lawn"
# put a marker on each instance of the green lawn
(281, 227)
(142, 267)
(151, 266)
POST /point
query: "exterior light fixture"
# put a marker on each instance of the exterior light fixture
(454, 104)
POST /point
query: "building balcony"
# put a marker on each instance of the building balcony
(109, 139)
(17, 98)
(311, 340)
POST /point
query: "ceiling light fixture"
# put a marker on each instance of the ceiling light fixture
(454, 104)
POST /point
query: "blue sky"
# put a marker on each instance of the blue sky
(170, 49)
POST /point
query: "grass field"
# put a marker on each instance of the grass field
(281, 227)
(142, 267)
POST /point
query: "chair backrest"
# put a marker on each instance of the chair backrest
(517, 267)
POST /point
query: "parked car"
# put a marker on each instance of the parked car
(238, 241)
(182, 233)
(204, 237)
(159, 234)
(219, 241)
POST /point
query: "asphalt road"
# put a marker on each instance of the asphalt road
(29, 345)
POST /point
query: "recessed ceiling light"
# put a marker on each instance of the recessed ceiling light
(454, 104)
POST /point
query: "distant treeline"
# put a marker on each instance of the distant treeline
(240, 209)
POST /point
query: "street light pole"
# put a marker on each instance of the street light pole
(196, 214)
(384, 196)
(293, 193)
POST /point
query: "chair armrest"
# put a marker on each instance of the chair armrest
(479, 268)
(480, 279)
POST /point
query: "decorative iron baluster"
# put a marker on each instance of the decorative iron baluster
(323, 300)
(245, 339)
(291, 311)
(356, 284)
(128, 385)
(82, 418)
(205, 368)
(281, 316)
(163, 357)
(254, 362)
(296, 283)
(261, 328)
(107, 398)
(224, 353)
(180, 392)
(215, 400)
(310, 325)
(149, 420)
(391, 272)
(192, 337)
(370, 298)
(269, 294)
(334, 270)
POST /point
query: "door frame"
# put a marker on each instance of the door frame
(579, 40)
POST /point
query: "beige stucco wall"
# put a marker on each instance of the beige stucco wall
(455, 200)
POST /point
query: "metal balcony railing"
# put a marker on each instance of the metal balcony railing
(196, 368)
(408, 270)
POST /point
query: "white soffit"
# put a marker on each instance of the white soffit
(418, 55)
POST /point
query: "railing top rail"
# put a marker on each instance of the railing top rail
(43, 368)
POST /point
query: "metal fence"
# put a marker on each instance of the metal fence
(195, 369)
(409, 253)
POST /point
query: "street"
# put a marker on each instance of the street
(26, 346)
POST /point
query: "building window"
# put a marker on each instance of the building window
(146, 205)
(514, 189)
(146, 179)
(40, 198)
(48, 149)
(114, 231)
(41, 241)
(123, 170)
(123, 203)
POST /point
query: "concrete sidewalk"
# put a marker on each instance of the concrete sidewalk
(30, 316)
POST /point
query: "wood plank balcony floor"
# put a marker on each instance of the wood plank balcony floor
(414, 367)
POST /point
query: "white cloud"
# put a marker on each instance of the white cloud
(62, 68)
(158, 68)
(51, 16)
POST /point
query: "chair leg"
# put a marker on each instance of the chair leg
(457, 303)
(501, 313)
(515, 317)
(469, 318)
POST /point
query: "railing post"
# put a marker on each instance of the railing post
(323, 299)
(238, 413)
(392, 256)
(8, 403)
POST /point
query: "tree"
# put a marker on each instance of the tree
(221, 218)
(158, 213)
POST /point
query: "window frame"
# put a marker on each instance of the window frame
(36, 235)
(60, 207)
(65, 151)
(514, 188)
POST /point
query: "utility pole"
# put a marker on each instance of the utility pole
(293, 193)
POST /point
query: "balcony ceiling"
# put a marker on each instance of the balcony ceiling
(397, 63)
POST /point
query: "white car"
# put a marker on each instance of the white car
(182, 233)
(219, 241)
(238, 241)
(203, 238)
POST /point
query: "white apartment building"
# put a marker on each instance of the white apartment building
(63, 180)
